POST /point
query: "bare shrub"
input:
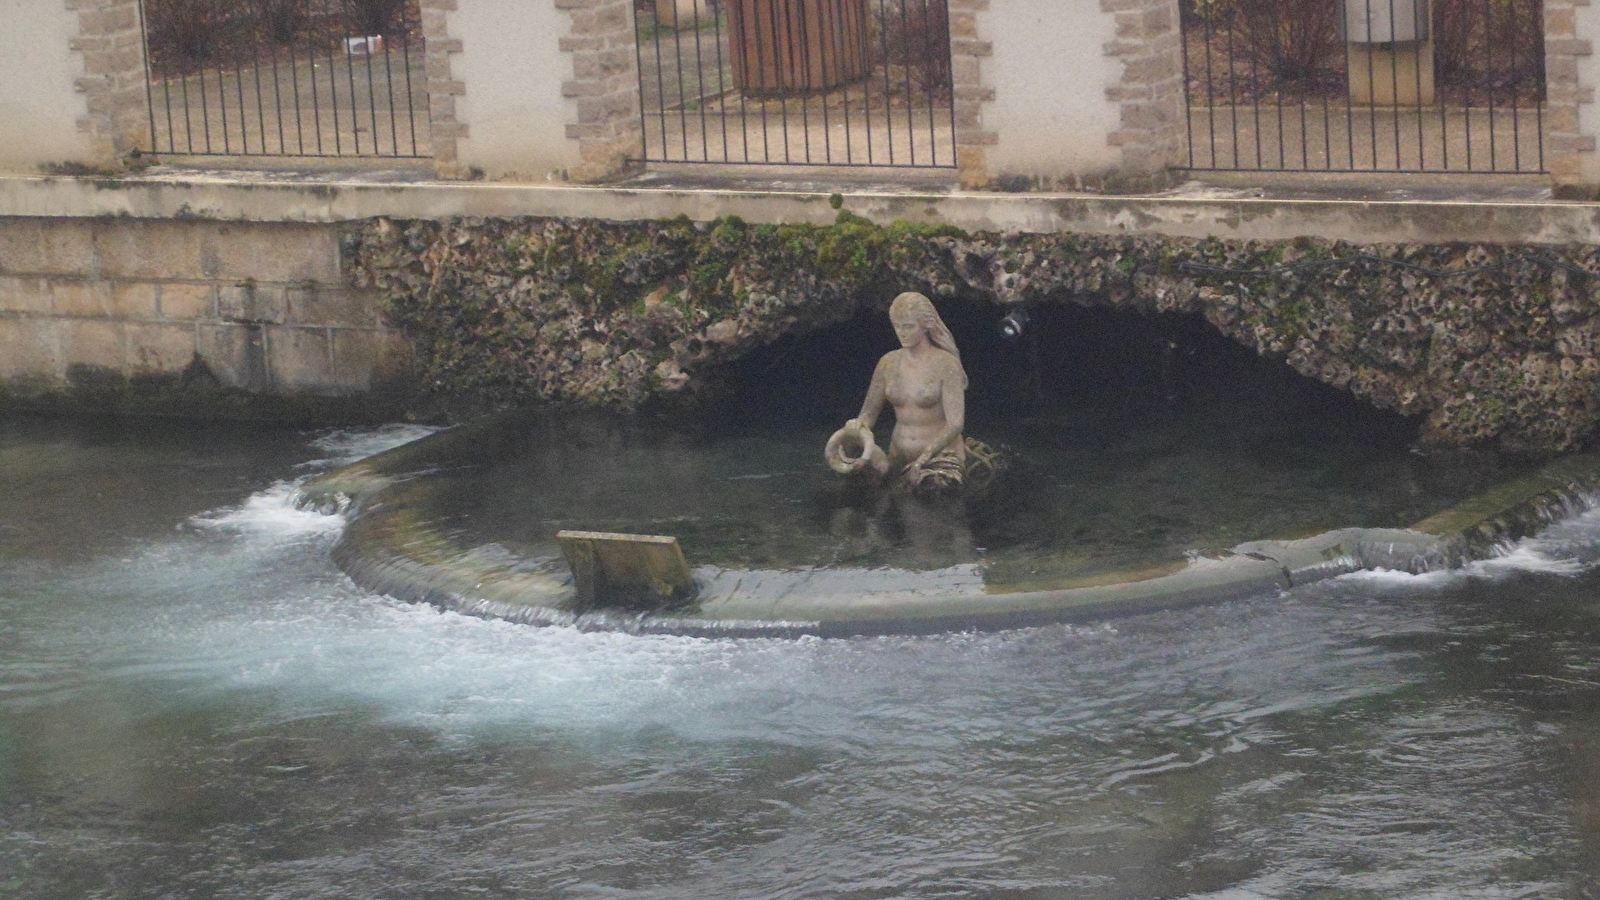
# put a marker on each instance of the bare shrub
(280, 21)
(186, 31)
(916, 34)
(373, 16)
(1489, 47)
(1292, 40)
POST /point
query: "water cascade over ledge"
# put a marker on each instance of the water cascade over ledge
(463, 520)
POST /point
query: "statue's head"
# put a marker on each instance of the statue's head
(912, 308)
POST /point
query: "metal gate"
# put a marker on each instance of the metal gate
(286, 77)
(796, 82)
(1365, 85)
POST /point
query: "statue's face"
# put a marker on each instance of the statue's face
(908, 330)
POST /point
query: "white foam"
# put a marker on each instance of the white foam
(1569, 547)
(269, 512)
(1396, 578)
(346, 446)
(1529, 556)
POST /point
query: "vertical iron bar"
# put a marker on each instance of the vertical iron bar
(1305, 137)
(683, 100)
(1394, 86)
(238, 83)
(832, 25)
(333, 101)
(888, 87)
(388, 84)
(802, 40)
(742, 64)
(277, 101)
(1188, 104)
(761, 75)
(1422, 157)
(866, 84)
(1283, 155)
(411, 97)
(949, 76)
(205, 109)
(1516, 90)
(1349, 101)
(1233, 95)
(316, 95)
(1327, 117)
(172, 131)
(911, 131)
(1466, 104)
(372, 98)
(722, 86)
(1444, 124)
(261, 104)
(700, 79)
(222, 109)
(1372, 92)
(1488, 63)
(638, 61)
(905, 66)
(1211, 93)
(188, 120)
(1255, 104)
(739, 67)
(1540, 89)
(294, 75)
(661, 84)
(350, 78)
(841, 54)
(149, 91)
(783, 51)
(722, 80)
(929, 29)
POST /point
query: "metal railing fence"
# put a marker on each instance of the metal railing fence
(796, 82)
(307, 78)
(1407, 86)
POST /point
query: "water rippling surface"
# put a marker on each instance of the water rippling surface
(200, 705)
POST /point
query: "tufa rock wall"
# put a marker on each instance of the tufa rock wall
(1495, 345)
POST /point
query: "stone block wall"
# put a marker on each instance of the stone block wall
(443, 88)
(1570, 153)
(111, 41)
(967, 52)
(1149, 44)
(604, 87)
(264, 305)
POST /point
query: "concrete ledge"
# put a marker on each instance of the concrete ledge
(262, 198)
(389, 547)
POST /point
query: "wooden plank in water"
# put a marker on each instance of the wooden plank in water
(633, 571)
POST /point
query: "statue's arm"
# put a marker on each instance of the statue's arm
(872, 404)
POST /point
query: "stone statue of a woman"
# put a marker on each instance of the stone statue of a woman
(926, 385)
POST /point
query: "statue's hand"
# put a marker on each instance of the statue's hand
(852, 449)
(914, 473)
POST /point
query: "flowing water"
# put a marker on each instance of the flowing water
(195, 703)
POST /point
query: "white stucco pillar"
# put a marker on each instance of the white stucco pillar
(41, 106)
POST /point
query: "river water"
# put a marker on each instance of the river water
(194, 702)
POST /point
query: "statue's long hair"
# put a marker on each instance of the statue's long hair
(919, 306)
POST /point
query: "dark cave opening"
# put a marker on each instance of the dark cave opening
(1101, 372)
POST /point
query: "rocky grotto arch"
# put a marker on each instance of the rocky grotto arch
(1485, 345)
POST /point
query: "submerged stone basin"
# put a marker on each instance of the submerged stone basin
(465, 519)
